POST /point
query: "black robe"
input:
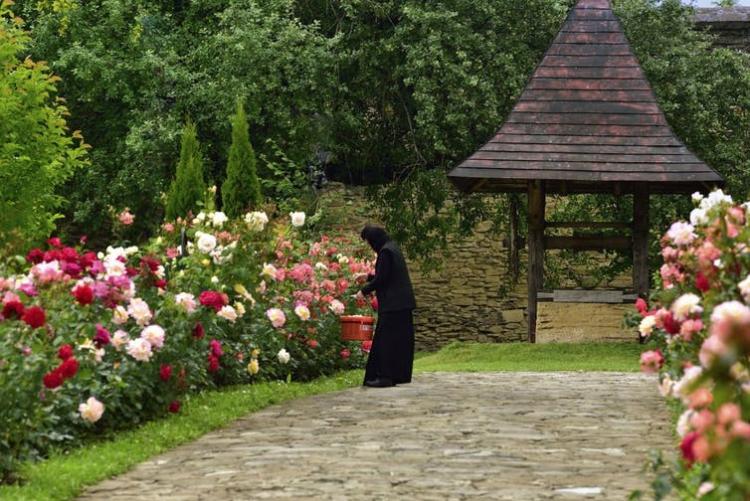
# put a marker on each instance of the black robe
(392, 352)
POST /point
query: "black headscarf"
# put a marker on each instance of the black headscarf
(375, 236)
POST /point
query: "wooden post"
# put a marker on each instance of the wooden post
(514, 254)
(640, 242)
(536, 251)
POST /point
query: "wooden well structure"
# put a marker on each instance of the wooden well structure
(587, 122)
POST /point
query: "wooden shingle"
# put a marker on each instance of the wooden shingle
(587, 120)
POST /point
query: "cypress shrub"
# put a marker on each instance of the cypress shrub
(188, 188)
(241, 189)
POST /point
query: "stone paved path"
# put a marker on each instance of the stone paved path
(521, 436)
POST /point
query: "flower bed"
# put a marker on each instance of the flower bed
(701, 326)
(92, 342)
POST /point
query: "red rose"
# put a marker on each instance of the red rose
(174, 406)
(213, 299)
(345, 353)
(701, 282)
(160, 283)
(88, 259)
(13, 309)
(216, 348)
(71, 269)
(55, 242)
(213, 363)
(671, 325)
(53, 379)
(84, 294)
(65, 352)
(52, 255)
(102, 336)
(150, 263)
(312, 343)
(69, 368)
(130, 271)
(35, 256)
(69, 254)
(165, 372)
(374, 303)
(641, 306)
(199, 331)
(34, 317)
(366, 346)
(686, 446)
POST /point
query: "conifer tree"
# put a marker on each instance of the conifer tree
(241, 189)
(188, 188)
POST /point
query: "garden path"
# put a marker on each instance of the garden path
(457, 436)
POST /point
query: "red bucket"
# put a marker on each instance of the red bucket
(356, 328)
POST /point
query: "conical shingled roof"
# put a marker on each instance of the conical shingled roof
(587, 122)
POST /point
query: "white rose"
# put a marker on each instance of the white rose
(139, 310)
(218, 219)
(206, 243)
(686, 306)
(298, 219)
(256, 221)
(303, 312)
(119, 315)
(139, 349)
(697, 197)
(228, 313)
(283, 356)
(92, 410)
(647, 325)
(698, 217)
(154, 334)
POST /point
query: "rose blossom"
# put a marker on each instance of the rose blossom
(741, 429)
(337, 307)
(206, 243)
(698, 217)
(34, 317)
(683, 387)
(345, 353)
(728, 315)
(303, 312)
(690, 327)
(154, 334)
(277, 317)
(666, 386)
(683, 422)
(700, 398)
(269, 271)
(139, 310)
(140, 349)
(283, 356)
(651, 361)
(186, 301)
(92, 410)
(126, 217)
(256, 221)
(119, 339)
(218, 219)
(119, 315)
(228, 313)
(685, 306)
(681, 233)
(298, 219)
(729, 413)
(647, 325)
(253, 367)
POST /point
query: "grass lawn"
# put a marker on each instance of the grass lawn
(64, 476)
(476, 357)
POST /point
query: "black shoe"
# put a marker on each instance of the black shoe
(380, 383)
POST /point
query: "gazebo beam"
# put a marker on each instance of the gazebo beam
(536, 201)
(640, 242)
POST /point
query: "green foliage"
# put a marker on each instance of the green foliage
(241, 189)
(188, 188)
(37, 152)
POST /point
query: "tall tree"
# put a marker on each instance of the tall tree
(241, 189)
(37, 152)
(188, 187)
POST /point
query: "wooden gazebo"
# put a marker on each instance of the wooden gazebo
(587, 122)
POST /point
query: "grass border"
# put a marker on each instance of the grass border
(65, 476)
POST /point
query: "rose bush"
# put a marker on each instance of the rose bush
(93, 342)
(700, 328)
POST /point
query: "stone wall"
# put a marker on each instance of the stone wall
(731, 25)
(470, 297)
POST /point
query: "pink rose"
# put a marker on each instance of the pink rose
(700, 398)
(651, 361)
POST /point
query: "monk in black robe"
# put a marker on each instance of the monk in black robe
(392, 352)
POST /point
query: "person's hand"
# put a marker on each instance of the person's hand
(360, 278)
